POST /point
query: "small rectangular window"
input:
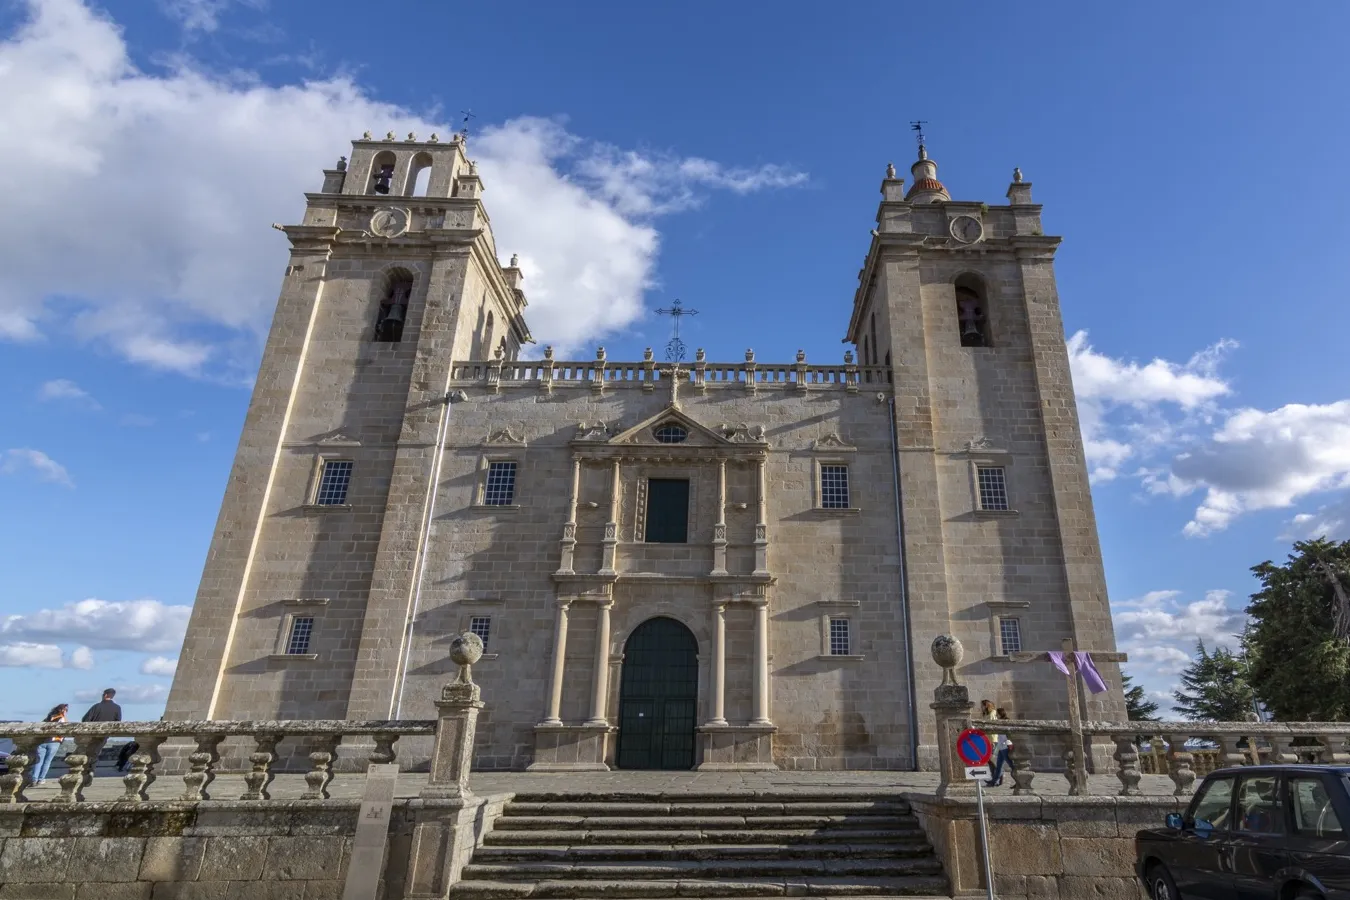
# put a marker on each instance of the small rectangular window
(834, 487)
(1010, 635)
(302, 629)
(333, 482)
(993, 484)
(481, 626)
(839, 637)
(500, 488)
(667, 511)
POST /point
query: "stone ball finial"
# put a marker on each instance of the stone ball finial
(515, 260)
(342, 164)
(435, 138)
(389, 136)
(412, 135)
(1017, 176)
(948, 653)
(465, 650)
(890, 170)
(365, 135)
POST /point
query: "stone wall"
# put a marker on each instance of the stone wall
(1043, 848)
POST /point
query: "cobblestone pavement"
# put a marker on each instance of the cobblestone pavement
(108, 785)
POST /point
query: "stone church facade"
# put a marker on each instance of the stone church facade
(719, 565)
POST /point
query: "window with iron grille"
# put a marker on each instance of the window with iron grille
(834, 487)
(302, 629)
(839, 637)
(481, 626)
(500, 489)
(993, 484)
(670, 433)
(1010, 635)
(334, 480)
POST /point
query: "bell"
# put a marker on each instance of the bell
(396, 313)
(970, 329)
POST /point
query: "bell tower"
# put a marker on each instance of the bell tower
(1000, 540)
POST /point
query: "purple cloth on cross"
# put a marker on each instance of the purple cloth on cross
(1091, 677)
(1057, 659)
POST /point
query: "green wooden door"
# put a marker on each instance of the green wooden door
(658, 697)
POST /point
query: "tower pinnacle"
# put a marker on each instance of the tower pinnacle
(927, 188)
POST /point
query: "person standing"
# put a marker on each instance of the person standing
(46, 751)
(105, 710)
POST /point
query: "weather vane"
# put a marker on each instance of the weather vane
(464, 128)
(675, 346)
(917, 128)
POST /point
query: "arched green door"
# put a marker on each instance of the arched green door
(658, 697)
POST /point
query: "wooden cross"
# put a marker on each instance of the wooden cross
(1078, 783)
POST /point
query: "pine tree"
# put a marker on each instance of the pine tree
(1215, 687)
(1137, 706)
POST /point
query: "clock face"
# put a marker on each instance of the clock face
(390, 222)
(967, 229)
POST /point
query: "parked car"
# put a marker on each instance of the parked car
(1254, 833)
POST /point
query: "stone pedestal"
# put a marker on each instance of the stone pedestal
(455, 726)
(571, 748)
(736, 748)
(951, 706)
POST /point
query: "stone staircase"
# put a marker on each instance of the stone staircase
(713, 846)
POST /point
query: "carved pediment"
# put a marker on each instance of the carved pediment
(832, 442)
(664, 430)
(504, 436)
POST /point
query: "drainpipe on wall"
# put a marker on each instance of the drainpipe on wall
(429, 516)
(904, 596)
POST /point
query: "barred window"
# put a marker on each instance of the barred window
(500, 489)
(333, 482)
(1010, 635)
(481, 626)
(302, 629)
(834, 487)
(671, 433)
(993, 484)
(839, 637)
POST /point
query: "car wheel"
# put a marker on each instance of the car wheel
(1160, 884)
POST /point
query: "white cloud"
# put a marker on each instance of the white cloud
(193, 166)
(132, 694)
(65, 389)
(24, 459)
(1161, 660)
(1167, 620)
(29, 655)
(1331, 521)
(144, 625)
(1264, 460)
(201, 15)
(159, 665)
(1127, 409)
(81, 658)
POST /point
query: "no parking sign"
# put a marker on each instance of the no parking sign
(975, 748)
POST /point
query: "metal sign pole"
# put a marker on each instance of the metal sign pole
(984, 840)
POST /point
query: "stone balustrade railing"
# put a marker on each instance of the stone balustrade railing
(1170, 748)
(322, 738)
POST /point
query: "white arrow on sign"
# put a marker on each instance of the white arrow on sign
(975, 773)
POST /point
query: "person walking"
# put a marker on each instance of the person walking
(46, 751)
(1003, 752)
(105, 710)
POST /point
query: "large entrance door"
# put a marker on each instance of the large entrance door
(658, 696)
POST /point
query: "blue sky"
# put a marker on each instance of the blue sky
(726, 154)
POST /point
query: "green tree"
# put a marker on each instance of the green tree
(1137, 706)
(1215, 687)
(1299, 666)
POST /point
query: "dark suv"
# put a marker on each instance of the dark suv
(1254, 833)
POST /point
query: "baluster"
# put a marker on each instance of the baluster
(257, 780)
(141, 767)
(1127, 764)
(14, 780)
(384, 752)
(1230, 753)
(81, 764)
(1282, 750)
(321, 775)
(1333, 749)
(203, 762)
(1179, 764)
(1021, 758)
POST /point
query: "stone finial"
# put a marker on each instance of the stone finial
(473, 167)
(749, 355)
(801, 356)
(600, 354)
(848, 357)
(515, 261)
(342, 164)
(389, 136)
(699, 355)
(948, 653)
(365, 135)
(412, 135)
(435, 138)
(548, 352)
(1017, 176)
(647, 355)
(465, 650)
(890, 170)
(499, 352)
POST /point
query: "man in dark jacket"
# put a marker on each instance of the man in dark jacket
(105, 710)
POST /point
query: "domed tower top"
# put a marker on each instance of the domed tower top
(927, 188)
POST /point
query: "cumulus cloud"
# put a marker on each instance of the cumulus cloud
(127, 694)
(65, 389)
(1159, 630)
(146, 625)
(24, 654)
(193, 166)
(201, 15)
(81, 658)
(1331, 521)
(24, 459)
(159, 665)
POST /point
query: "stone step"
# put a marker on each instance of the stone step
(700, 869)
(576, 889)
(586, 853)
(669, 836)
(794, 796)
(731, 808)
(512, 822)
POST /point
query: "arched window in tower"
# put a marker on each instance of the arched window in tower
(382, 172)
(393, 309)
(419, 175)
(972, 312)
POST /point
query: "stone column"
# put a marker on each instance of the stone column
(761, 708)
(720, 527)
(456, 721)
(559, 659)
(762, 522)
(569, 538)
(719, 664)
(951, 706)
(600, 686)
(611, 542)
